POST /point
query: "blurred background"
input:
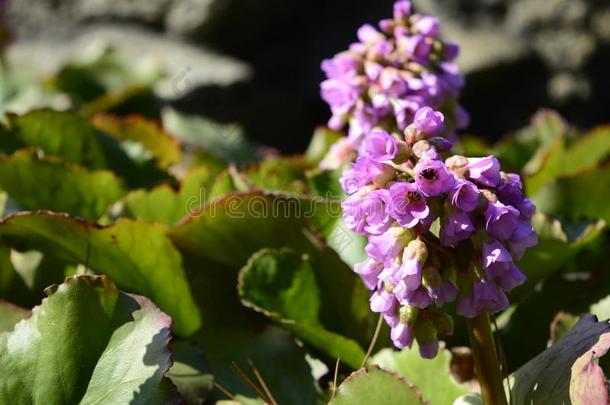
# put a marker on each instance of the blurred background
(256, 62)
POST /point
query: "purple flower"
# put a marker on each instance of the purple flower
(523, 238)
(451, 50)
(510, 278)
(369, 271)
(494, 254)
(433, 178)
(364, 172)
(527, 209)
(510, 191)
(386, 247)
(413, 260)
(383, 301)
(380, 146)
(428, 121)
(340, 95)
(418, 298)
(363, 119)
(428, 26)
(440, 289)
(465, 306)
(402, 10)
(429, 350)
(417, 47)
(501, 220)
(368, 34)
(464, 195)
(367, 212)
(408, 205)
(485, 170)
(392, 83)
(456, 228)
(488, 297)
(342, 65)
(402, 335)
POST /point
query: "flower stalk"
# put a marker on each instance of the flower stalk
(486, 361)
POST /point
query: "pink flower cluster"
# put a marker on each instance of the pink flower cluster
(438, 230)
(390, 74)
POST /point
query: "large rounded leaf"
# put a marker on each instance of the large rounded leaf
(88, 343)
(432, 376)
(148, 133)
(136, 254)
(283, 285)
(38, 182)
(375, 386)
(230, 229)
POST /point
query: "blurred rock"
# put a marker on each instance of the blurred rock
(518, 55)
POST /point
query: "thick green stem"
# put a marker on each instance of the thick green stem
(486, 360)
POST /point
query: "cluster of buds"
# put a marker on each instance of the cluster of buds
(390, 74)
(441, 228)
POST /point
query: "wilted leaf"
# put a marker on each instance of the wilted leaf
(38, 182)
(375, 386)
(588, 383)
(546, 378)
(137, 255)
(431, 376)
(88, 343)
(282, 285)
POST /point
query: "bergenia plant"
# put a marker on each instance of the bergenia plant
(444, 230)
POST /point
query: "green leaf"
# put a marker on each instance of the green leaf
(285, 174)
(545, 166)
(546, 378)
(545, 128)
(230, 229)
(348, 244)
(321, 141)
(88, 343)
(282, 285)
(375, 386)
(38, 182)
(554, 250)
(162, 146)
(226, 141)
(588, 151)
(190, 373)
(72, 138)
(577, 196)
(167, 205)
(137, 255)
(132, 99)
(431, 376)
(60, 133)
(274, 353)
(10, 315)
